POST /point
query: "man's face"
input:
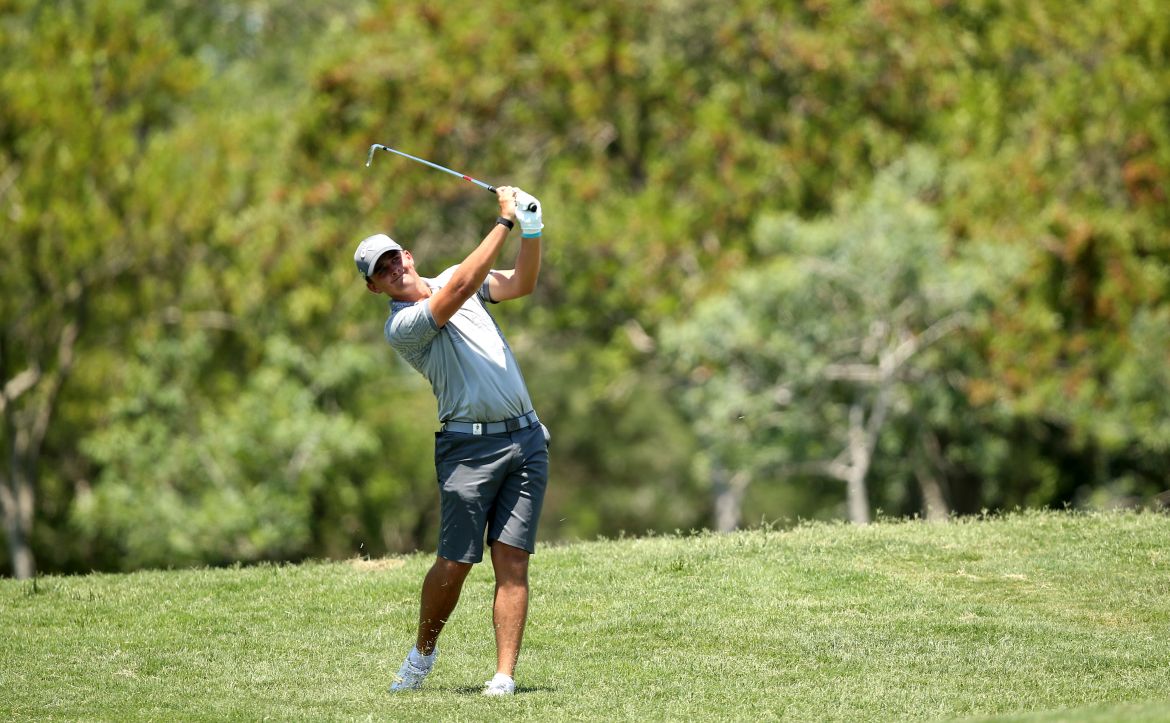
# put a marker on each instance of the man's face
(391, 273)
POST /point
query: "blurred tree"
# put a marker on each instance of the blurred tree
(797, 370)
(212, 187)
(85, 91)
(1058, 131)
(141, 202)
(190, 479)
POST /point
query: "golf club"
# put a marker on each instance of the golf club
(490, 188)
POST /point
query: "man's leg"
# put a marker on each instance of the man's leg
(510, 609)
(514, 520)
(440, 593)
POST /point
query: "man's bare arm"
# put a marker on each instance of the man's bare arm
(470, 274)
(521, 280)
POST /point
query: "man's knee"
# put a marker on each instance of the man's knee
(450, 569)
(510, 563)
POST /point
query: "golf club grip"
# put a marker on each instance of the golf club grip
(492, 189)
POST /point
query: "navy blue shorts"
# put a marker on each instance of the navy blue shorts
(493, 484)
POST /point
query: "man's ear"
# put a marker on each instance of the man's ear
(373, 289)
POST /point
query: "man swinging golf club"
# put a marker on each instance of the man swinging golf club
(491, 454)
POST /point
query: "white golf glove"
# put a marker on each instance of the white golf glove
(530, 221)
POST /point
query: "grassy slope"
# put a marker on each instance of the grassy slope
(1030, 617)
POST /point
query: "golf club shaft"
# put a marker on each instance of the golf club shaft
(490, 188)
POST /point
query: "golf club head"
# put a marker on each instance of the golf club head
(370, 157)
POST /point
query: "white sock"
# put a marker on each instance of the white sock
(501, 678)
(422, 661)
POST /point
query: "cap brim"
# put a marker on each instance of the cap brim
(374, 262)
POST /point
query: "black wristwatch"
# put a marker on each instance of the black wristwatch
(505, 223)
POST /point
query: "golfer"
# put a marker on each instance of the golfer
(491, 454)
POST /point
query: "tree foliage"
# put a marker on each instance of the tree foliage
(87, 217)
(185, 481)
(182, 184)
(803, 366)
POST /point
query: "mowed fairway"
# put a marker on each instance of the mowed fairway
(1030, 617)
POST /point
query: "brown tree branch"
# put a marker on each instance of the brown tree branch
(66, 344)
(18, 385)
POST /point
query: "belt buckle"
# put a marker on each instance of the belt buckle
(477, 428)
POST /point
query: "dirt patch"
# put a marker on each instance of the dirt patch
(379, 565)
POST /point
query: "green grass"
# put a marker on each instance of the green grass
(1027, 617)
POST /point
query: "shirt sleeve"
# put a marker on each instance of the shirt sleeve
(411, 328)
(485, 292)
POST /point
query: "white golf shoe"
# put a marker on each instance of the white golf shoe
(413, 671)
(500, 684)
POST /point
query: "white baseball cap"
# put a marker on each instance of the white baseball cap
(370, 250)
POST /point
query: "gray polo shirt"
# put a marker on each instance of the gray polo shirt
(468, 362)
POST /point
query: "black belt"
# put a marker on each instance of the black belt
(506, 425)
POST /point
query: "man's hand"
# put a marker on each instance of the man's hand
(530, 221)
(506, 195)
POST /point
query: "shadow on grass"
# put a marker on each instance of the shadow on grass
(520, 689)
